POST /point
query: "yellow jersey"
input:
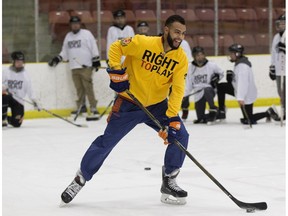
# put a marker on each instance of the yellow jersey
(151, 71)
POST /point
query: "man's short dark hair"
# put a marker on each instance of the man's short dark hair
(174, 18)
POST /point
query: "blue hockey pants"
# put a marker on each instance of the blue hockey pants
(125, 115)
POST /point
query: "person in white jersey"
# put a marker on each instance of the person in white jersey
(278, 60)
(241, 84)
(202, 78)
(143, 28)
(187, 49)
(80, 49)
(118, 30)
(16, 84)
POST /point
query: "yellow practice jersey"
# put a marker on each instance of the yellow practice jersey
(151, 71)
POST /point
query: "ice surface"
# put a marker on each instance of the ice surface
(40, 159)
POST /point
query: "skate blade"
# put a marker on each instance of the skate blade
(62, 204)
(278, 123)
(246, 127)
(275, 109)
(217, 121)
(169, 199)
(81, 115)
(211, 122)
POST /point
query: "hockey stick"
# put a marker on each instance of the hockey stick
(78, 112)
(51, 113)
(79, 109)
(249, 207)
(246, 115)
(281, 99)
(54, 114)
(283, 40)
(104, 112)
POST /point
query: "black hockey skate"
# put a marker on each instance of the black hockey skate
(246, 122)
(4, 123)
(171, 192)
(94, 115)
(221, 115)
(212, 116)
(73, 189)
(184, 114)
(273, 114)
(199, 121)
(80, 110)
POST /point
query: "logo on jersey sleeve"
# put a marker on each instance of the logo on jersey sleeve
(158, 63)
(125, 41)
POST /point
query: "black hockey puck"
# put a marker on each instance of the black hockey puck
(147, 168)
(250, 210)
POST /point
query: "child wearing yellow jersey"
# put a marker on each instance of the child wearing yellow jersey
(154, 71)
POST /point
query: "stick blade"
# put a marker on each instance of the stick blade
(83, 125)
(260, 206)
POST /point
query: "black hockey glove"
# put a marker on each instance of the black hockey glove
(229, 76)
(53, 62)
(118, 79)
(282, 47)
(96, 63)
(272, 72)
(5, 91)
(214, 80)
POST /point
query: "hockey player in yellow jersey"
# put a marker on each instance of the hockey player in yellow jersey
(153, 68)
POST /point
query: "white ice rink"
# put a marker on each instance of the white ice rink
(40, 159)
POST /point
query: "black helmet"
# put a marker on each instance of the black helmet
(197, 50)
(142, 24)
(75, 19)
(281, 18)
(236, 48)
(119, 13)
(280, 28)
(17, 55)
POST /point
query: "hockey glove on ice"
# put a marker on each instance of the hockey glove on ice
(173, 127)
(53, 62)
(96, 63)
(214, 80)
(118, 80)
(282, 47)
(229, 76)
(272, 72)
